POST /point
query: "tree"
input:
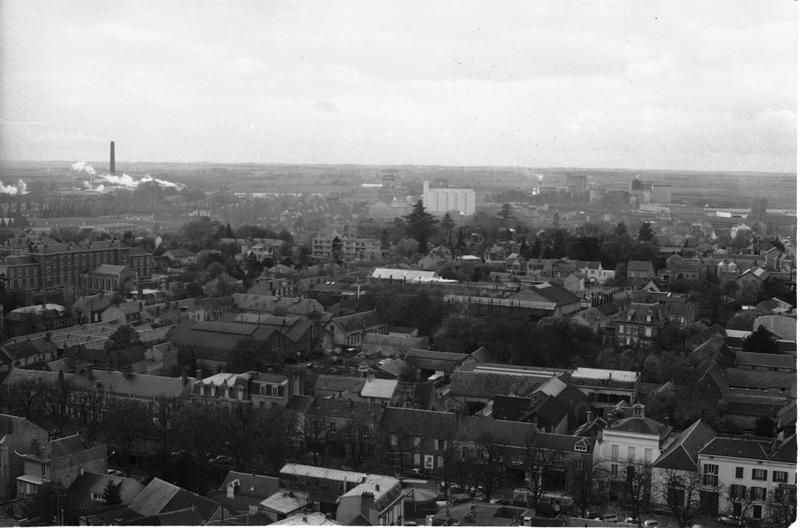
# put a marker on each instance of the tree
(621, 230)
(420, 225)
(584, 482)
(488, 463)
(111, 495)
(125, 424)
(680, 490)
(536, 462)
(646, 232)
(248, 355)
(762, 341)
(200, 430)
(446, 228)
(336, 250)
(124, 336)
(635, 494)
(782, 506)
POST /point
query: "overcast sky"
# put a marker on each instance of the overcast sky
(630, 84)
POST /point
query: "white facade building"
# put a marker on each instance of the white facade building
(441, 201)
(745, 475)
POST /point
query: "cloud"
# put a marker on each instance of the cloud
(326, 106)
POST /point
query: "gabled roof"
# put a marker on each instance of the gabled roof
(418, 422)
(640, 425)
(161, 497)
(516, 434)
(640, 265)
(682, 453)
(765, 360)
(736, 448)
(555, 293)
(433, 359)
(345, 409)
(87, 483)
(760, 379)
(358, 321)
(250, 484)
(332, 383)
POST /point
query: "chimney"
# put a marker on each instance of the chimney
(588, 415)
(112, 164)
(198, 374)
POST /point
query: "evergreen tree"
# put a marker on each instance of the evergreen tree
(111, 495)
(645, 232)
(621, 229)
(762, 341)
(420, 225)
(229, 232)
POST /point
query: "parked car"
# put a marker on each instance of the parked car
(650, 523)
(115, 472)
(730, 520)
(607, 517)
(222, 460)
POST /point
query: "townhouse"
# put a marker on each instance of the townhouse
(743, 476)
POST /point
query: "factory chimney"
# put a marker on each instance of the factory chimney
(111, 166)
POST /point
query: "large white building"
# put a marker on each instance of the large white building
(441, 201)
(744, 477)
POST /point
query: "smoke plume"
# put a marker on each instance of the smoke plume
(20, 188)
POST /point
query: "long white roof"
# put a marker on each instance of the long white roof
(616, 375)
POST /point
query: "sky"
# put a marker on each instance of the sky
(661, 84)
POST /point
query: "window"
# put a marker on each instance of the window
(739, 472)
(393, 440)
(780, 476)
(614, 470)
(710, 474)
(273, 390)
(416, 441)
(436, 444)
(759, 474)
(757, 511)
(332, 426)
(648, 454)
(631, 453)
(580, 446)
(757, 493)
(738, 491)
(262, 389)
(614, 452)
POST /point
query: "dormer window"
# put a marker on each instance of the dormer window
(580, 446)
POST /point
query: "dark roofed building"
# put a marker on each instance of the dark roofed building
(350, 330)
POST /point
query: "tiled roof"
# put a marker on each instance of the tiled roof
(82, 487)
(760, 379)
(251, 484)
(330, 383)
(358, 321)
(640, 265)
(736, 448)
(638, 424)
(555, 293)
(682, 453)
(345, 409)
(418, 422)
(516, 434)
(433, 359)
(765, 360)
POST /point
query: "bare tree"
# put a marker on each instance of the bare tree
(489, 463)
(635, 496)
(783, 506)
(740, 500)
(680, 490)
(536, 461)
(316, 435)
(584, 482)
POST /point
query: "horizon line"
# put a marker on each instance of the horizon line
(406, 165)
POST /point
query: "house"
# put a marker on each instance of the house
(436, 257)
(223, 285)
(28, 352)
(59, 461)
(172, 505)
(605, 386)
(17, 435)
(511, 441)
(242, 493)
(180, 257)
(475, 385)
(679, 459)
(37, 318)
(565, 303)
(332, 386)
(258, 389)
(349, 330)
(751, 280)
(353, 425)
(634, 441)
(86, 491)
(684, 269)
(378, 499)
(555, 406)
(640, 325)
(110, 278)
(415, 439)
(594, 272)
(376, 390)
(742, 476)
(640, 271)
(284, 503)
(130, 312)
